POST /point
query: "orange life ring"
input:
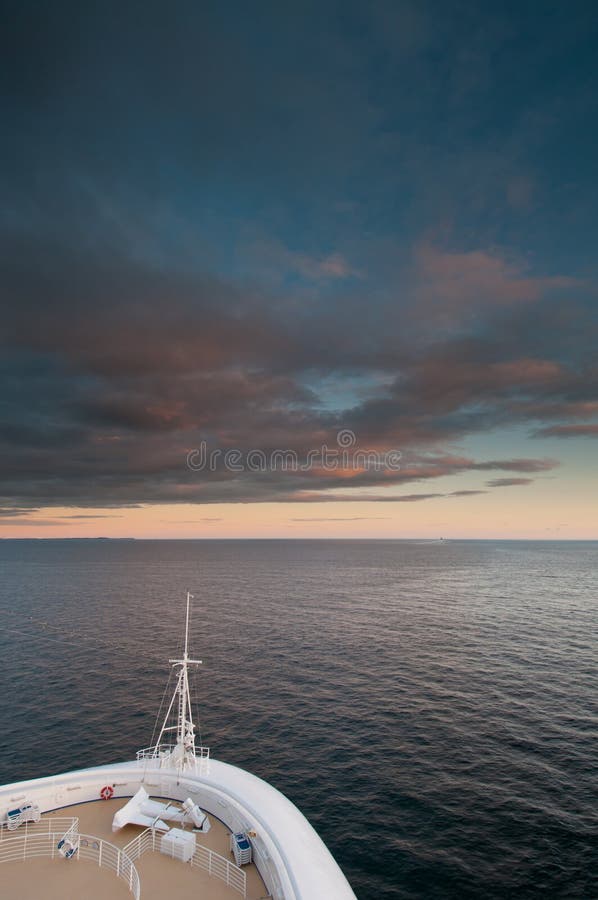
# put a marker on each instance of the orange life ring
(107, 792)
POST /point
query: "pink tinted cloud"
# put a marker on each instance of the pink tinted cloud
(445, 381)
(475, 278)
(589, 429)
(278, 261)
(528, 371)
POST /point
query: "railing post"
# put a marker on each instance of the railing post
(100, 853)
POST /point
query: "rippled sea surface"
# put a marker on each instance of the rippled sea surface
(431, 707)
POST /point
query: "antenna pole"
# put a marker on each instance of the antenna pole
(189, 597)
(184, 752)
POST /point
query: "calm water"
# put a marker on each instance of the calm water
(431, 707)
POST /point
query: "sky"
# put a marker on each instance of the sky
(247, 228)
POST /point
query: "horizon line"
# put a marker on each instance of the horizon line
(430, 540)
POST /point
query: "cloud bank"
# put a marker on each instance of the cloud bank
(233, 247)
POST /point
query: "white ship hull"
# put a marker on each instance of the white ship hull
(291, 858)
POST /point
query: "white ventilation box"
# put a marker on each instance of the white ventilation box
(178, 843)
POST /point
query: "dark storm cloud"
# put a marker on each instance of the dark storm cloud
(204, 237)
(107, 396)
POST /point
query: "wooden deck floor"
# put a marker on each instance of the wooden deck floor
(59, 879)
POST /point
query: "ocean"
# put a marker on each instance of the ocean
(432, 707)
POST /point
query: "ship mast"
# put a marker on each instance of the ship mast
(183, 753)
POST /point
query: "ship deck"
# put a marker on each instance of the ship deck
(160, 875)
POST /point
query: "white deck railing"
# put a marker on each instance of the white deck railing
(222, 868)
(59, 824)
(141, 844)
(110, 857)
(158, 750)
(203, 858)
(42, 838)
